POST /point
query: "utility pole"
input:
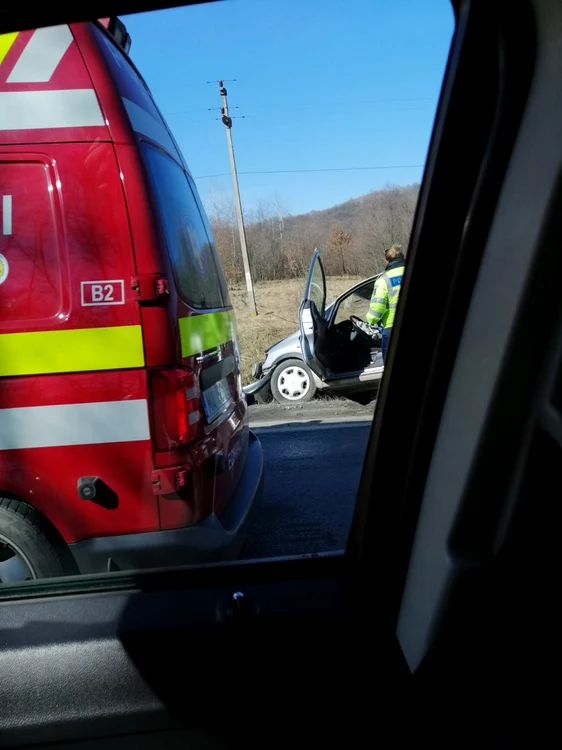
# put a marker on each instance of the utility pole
(227, 121)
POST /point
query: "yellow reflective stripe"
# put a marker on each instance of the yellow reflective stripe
(6, 41)
(78, 350)
(198, 333)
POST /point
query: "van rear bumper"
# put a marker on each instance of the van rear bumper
(214, 538)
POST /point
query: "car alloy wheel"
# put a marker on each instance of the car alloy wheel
(293, 383)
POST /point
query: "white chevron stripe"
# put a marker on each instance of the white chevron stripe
(74, 424)
(41, 55)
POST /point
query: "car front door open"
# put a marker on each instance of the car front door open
(314, 333)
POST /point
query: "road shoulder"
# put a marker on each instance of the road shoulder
(313, 415)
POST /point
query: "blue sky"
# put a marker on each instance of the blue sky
(322, 84)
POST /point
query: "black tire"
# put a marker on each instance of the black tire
(264, 396)
(25, 534)
(277, 386)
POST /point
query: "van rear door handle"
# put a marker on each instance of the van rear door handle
(149, 286)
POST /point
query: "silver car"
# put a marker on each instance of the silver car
(333, 350)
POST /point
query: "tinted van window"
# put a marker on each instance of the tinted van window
(194, 258)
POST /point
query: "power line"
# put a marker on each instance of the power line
(262, 117)
(185, 112)
(323, 169)
(191, 111)
(348, 103)
(314, 104)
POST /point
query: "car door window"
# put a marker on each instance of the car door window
(316, 284)
(356, 303)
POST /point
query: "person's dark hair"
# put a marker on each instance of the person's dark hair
(393, 253)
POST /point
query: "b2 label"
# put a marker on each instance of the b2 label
(110, 292)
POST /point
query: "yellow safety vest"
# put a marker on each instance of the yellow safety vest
(384, 301)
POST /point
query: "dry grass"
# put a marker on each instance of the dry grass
(278, 309)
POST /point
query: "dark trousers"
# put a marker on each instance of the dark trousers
(385, 339)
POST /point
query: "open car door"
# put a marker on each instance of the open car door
(314, 332)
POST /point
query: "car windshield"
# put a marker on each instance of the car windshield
(167, 396)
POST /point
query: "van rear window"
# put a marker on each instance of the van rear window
(193, 255)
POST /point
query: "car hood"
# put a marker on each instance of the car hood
(291, 340)
(284, 349)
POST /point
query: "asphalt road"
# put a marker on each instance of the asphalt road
(312, 472)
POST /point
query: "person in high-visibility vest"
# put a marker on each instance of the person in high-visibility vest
(386, 291)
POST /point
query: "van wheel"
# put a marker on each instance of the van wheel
(293, 383)
(26, 550)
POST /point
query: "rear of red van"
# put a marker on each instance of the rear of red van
(135, 323)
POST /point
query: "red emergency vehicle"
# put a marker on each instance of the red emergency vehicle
(124, 438)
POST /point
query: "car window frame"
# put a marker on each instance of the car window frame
(338, 301)
(376, 560)
(117, 580)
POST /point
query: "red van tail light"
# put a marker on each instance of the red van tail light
(176, 407)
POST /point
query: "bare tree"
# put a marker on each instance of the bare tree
(337, 249)
(386, 218)
(352, 236)
(222, 218)
(266, 241)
